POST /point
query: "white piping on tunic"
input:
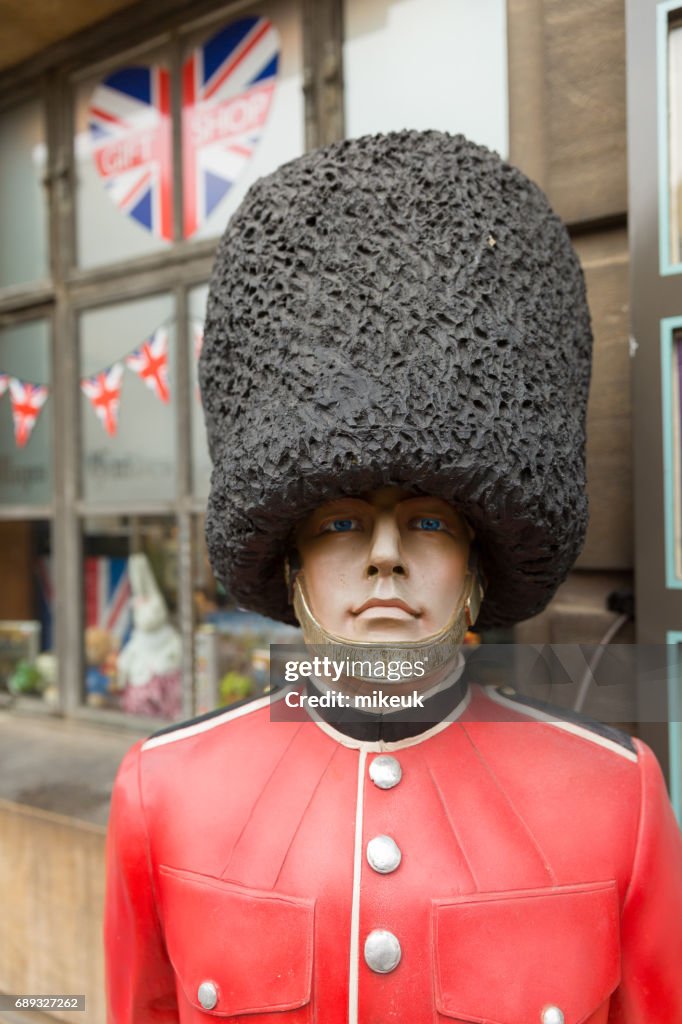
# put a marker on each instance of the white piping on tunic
(572, 727)
(213, 723)
(376, 746)
(354, 967)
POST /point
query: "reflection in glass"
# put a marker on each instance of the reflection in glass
(128, 401)
(132, 645)
(28, 662)
(23, 198)
(25, 412)
(231, 645)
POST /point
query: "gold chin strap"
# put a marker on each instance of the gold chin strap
(436, 649)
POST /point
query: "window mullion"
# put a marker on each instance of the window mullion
(323, 71)
(68, 595)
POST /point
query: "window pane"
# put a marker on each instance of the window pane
(675, 725)
(128, 401)
(25, 413)
(676, 434)
(242, 108)
(231, 646)
(201, 462)
(675, 141)
(427, 64)
(23, 199)
(132, 645)
(123, 152)
(28, 665)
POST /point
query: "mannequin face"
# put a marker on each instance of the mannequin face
(388, 565)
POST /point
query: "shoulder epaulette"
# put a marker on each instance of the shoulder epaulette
(209, 720)
(574, 721)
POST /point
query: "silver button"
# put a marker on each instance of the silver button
(208, 995)
(385, 771)
(382, 951)
(383, 854)
(552, 1015)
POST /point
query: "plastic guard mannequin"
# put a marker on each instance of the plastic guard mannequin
(395, 377)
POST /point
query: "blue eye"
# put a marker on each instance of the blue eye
(429, 523)
(339, 526)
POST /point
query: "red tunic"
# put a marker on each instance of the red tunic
(541, 874)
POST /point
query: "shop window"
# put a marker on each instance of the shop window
(23, 198)
(127, 377)
(242, 115)
(424, 64)
(232, 645)
(131, 643)
(28, 664)
(25, 414)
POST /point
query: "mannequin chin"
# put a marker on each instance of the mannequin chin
(386, 576)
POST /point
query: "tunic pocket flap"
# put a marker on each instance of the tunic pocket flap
(508, 957)
(250, 949)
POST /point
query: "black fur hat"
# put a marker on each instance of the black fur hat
(398, 309)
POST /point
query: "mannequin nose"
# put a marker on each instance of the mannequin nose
(385, 557)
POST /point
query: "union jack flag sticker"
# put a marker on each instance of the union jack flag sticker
(227, 89)
(130, 132)
(27, 401)
(150, 363)
(104, 392)
(108, 595)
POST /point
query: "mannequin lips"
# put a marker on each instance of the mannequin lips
(394, 603)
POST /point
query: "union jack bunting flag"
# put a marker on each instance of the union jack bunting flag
(150, 362)
(108, 595)
(130, 132)
(27, 401)
(104, 392)
(227, 88)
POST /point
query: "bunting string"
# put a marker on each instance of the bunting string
(149, 361)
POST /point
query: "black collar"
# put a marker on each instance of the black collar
(392, 726)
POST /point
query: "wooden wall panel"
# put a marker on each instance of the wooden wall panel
(609, 543)
(52, 881)
(567, 103)
(567, 120)
(585, 112)
(527, 88)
